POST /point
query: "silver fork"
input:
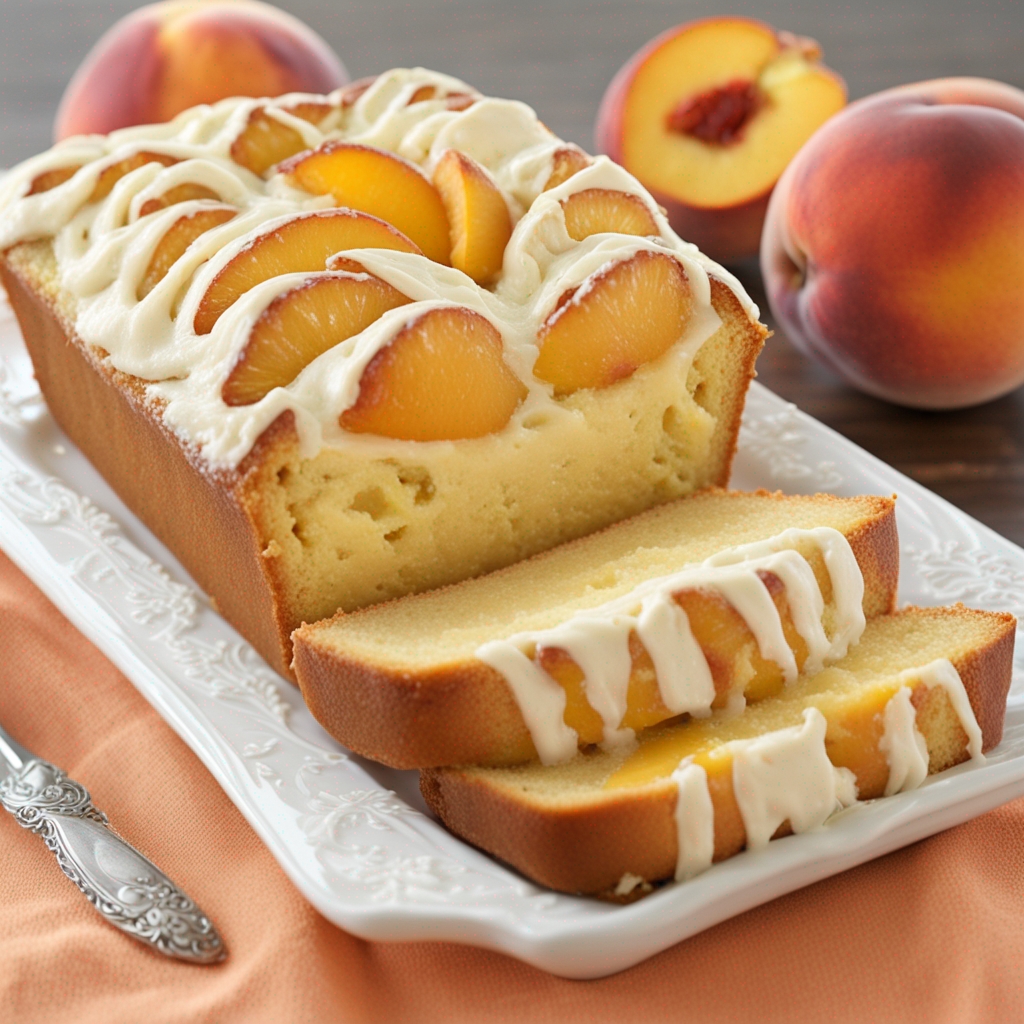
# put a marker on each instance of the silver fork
(129, 890)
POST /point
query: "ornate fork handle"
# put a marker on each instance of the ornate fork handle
(123, 885)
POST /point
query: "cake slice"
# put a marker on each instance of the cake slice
(582, 644)
(923, 690)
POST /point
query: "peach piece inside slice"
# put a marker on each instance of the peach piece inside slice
(302, 324)
(728, 644)
(603, 209)
(51, 179)
(378, 183)
(481, 224)
(183, 193)
(442, 377)
(111, 175)
(183, 232)
(715, 114)
(565, 163)
(615, 322)
(301, 244)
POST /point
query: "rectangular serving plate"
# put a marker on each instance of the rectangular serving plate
(354, 836)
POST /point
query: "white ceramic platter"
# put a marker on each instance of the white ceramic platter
(353, 836)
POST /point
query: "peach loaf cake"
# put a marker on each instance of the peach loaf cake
(710, 601)
(337, 349)
(923, 690)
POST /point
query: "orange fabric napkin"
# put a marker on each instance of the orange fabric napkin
(931, 933)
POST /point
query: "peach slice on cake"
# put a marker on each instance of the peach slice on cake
(266, 140)
(564, 164)
(379, 183)
(728, 644)
(443, 377)
(708, 115)
(301, 244)
(617, 321)
(51, 179)
(183, 232)
(595, 210)
(111, 175)
(481, 224)
(302, 324)
(183, 193)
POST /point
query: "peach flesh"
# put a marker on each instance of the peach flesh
(892, 248)
(707, 115)
(164, 58)
(443, 377)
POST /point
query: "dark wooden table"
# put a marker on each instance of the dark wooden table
(558, 56)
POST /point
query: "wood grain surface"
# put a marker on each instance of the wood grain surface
(558, 56)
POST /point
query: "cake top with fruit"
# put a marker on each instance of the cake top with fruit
(403, 236)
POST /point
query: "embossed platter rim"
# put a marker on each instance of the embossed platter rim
(353, 836)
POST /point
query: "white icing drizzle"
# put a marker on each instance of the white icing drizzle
(540, 698)
(904, 747)
(597, 639)
(786, 775)
(103, 249)
(695, 820)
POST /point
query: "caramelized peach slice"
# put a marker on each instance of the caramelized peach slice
(603, 209)
(620, 319)
(728, 644)
(566, 162)
(442, 378)
(355, 89)
(478, 214)
(172, 246)
(302, 324)
(378, 183)
(266, 141)
(186, 192)
(453, 100)
(301, 244)
(111, 175)
(51, 179)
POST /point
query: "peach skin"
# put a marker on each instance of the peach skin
(707, 116)
(893, 248)
(169, 56)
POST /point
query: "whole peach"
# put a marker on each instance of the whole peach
(169, 56)
(893, 247)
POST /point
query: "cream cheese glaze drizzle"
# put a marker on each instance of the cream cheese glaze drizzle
(785, 775)
(103, 248)
(598, 639)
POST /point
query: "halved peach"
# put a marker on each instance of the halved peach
(183, 193)
(564, 164)
(378, 183)
(617, 321)
(443, 377)
(111, 175)
(301, 244)
(172, 246)
(481, 224)
(302, 324)
(708, 115)
(596, 210)
(51, 179)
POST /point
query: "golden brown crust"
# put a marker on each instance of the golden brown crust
(199, 515)
(587, 846)
(463, 712)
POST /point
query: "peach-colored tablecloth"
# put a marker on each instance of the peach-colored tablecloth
(932, 933)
